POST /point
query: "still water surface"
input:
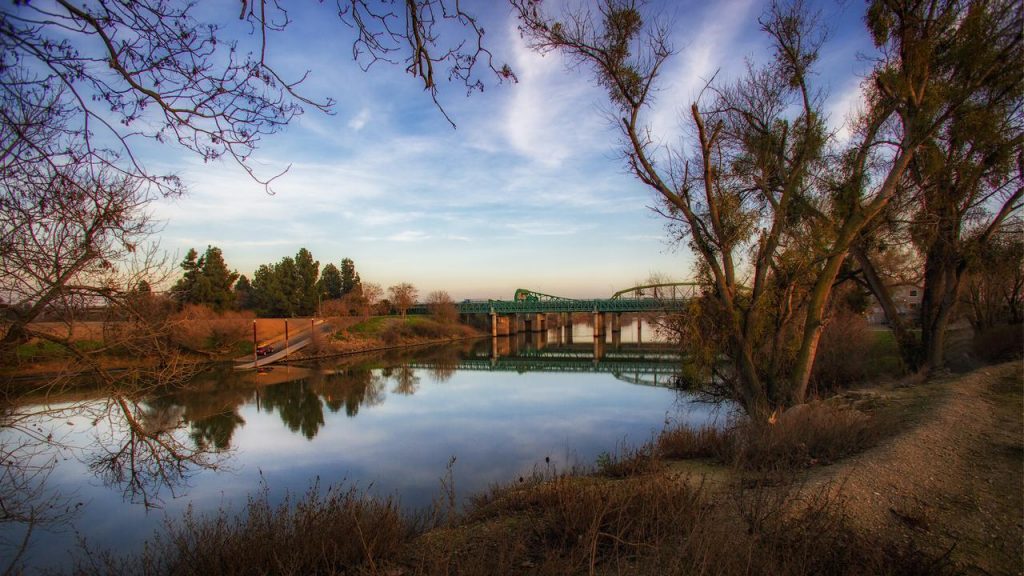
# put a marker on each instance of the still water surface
(386, 423)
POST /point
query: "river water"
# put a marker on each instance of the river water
(388, 423)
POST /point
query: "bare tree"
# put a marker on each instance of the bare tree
(402, 296)
(442, 307)
(372, 293)
(770, 238)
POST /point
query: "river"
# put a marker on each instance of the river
(388, 423)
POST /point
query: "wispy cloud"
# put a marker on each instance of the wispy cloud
(359, 120)
(708, 41)
(552, 113)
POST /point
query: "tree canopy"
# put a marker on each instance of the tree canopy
(206, 280)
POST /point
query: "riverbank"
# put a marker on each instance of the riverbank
(903, 478)
(41, 364)
(389, 333)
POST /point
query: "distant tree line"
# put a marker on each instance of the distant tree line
(293, 286)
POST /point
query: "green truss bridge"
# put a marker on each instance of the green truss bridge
(527, 309)
(648, 298)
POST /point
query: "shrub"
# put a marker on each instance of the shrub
(999, 343)
(805, 435)
(628, 462)
(319, 533)
(684, 442)
(843, 352)
(198, 327)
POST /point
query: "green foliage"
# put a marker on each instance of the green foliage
(331, 282)
(307, 272)
(287, 288)
(243, 293)
(349, 277)
(206, 280)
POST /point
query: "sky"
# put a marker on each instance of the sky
(528, 191)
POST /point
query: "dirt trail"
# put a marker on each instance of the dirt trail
(954, 481)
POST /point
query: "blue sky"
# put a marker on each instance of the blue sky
(529, 190)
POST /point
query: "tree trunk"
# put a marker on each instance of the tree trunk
(943, 274)
(908, 344)
(937, 307)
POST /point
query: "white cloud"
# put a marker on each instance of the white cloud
(844, 108)
(701, 55)
(551, 114)
(359, 120)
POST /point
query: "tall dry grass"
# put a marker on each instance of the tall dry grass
(629, 515)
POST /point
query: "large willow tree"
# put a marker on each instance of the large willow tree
(769, 203)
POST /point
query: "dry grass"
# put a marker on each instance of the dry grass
(630, 515)
(806, 435)
(333, 532)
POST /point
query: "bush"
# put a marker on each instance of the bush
(320, 533)
(999, 343)
(805, 435)
(683, 442)
(843, 353)
(198, 327)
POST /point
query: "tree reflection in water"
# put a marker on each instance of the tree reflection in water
(137, 445)
(406, 381)
(299, 408)
(145, 449)
(351, 388)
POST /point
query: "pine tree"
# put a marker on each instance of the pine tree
(331, 282)
(349, 277)
(216, 281)
(243, 293)
(307, 273)
(185, 287)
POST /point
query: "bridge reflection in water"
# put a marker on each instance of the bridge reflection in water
(649, 364)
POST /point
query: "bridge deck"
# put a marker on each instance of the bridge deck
(552, 306)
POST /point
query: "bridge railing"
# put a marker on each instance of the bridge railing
(554, 306)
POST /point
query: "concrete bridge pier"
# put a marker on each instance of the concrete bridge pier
(598, 324)
(616, 321)
(536, 322)
(499, 325)
(538, 340)
(598, 349)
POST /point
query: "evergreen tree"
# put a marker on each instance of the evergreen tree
(243, 293)
(185, 287)
(349, 277)
(206, 280)
(288, 286)
(216, 281)
(307, 272)
(268, 297)
(331, 282)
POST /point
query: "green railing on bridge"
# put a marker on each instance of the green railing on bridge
(650, 298)
(523, 365)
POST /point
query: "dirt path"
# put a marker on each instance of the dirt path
(954, 481)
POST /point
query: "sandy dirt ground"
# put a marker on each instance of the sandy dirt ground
(954, 482)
